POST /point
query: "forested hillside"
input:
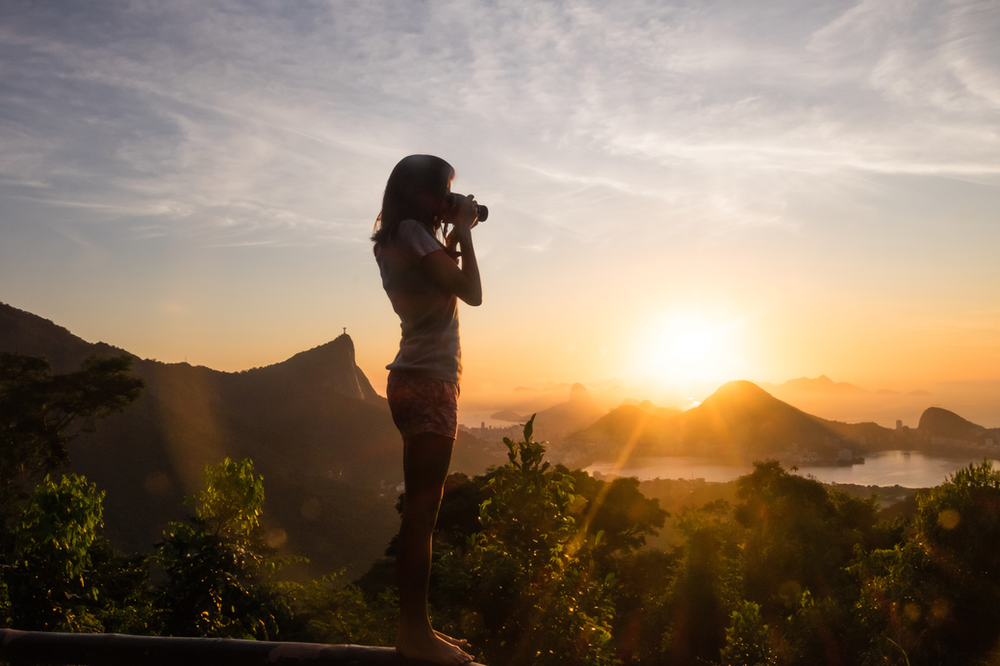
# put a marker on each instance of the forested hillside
(533, 563)
(313, 424)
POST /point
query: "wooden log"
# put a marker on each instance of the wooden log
(22, 648)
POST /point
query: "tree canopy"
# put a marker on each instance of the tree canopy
(42, 412)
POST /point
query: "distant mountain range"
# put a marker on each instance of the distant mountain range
(331, 458)
(742, 422)
(561, 419)
(821, 384)
(316, 429)
(825, 386)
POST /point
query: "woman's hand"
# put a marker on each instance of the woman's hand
(463, 219)
(462, 281)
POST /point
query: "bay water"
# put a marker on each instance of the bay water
(909, 469)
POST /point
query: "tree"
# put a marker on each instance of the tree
(700, 595)
(642, 614)
(798, 536)
(933, 597)
(618, 510)
(747, 640)
(526, 588)
(335, 611)
(49, 582)
(218, 566)
(61, 573)
(41, 413)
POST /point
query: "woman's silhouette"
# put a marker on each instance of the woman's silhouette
(425, 272)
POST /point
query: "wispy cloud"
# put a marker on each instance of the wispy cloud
(273, 118)
(837, 155)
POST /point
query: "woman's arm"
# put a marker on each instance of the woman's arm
(462, 281)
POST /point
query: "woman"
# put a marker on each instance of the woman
(423, 278)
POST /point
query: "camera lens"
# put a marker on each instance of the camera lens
(482, 212)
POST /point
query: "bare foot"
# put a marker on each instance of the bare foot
(435, 648)
(458, 642)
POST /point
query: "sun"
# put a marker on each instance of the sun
(685, 348)
(691, 346)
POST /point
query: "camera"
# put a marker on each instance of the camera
(482, 212)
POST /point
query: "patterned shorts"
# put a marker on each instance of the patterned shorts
(422, 404)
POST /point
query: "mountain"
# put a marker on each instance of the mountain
(317, 431)
(566, 417)
(938, 422)
(562, 418)
(510, 415)
(742, 416)
(648, 406)
(821, 384)
(740, 422)
(31, 335)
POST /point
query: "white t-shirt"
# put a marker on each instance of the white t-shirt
(428, 314)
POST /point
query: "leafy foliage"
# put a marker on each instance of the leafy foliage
(59, 525)
(62, 575)
(53, 538)
(798, 536)
(747, 640)
(335, 611)
(232, 503)
(40, 413)
(532, 509)
(619, 512)
(527, 588)
(934, 595)
(697, 598)
(218, 567)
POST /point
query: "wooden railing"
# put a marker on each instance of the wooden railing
(24, 648)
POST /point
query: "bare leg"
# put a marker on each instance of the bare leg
(425, 466)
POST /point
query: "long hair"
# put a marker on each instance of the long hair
(418, 190)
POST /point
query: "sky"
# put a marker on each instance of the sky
(682, 193)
